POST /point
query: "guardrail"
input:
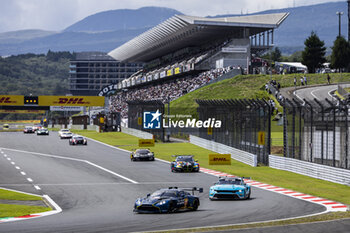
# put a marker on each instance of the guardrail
(137, 133)
(239, 155)
(323, 172)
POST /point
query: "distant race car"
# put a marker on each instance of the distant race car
(28, 129)
(66, 135)
(168, 200)
(76, 139)
(184, 163)
(37, 126)
(5, 126)
(61, 131)
(142, 154)
(230, 188)
(42, 131)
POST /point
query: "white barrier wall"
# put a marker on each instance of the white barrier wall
(323, 172)
(236, 154)
(89, 127)
(137, 133)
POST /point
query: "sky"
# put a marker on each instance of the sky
(56, 15)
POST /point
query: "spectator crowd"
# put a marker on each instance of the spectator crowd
(165, 92)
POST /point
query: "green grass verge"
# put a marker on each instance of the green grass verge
(11, 195)
(245, 86)
(7, 210)
(296, 182)
(12, 210)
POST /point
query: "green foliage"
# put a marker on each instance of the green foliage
(274, 55)
(314, 52)
(244, 86)
(340, 57)
(35, 74)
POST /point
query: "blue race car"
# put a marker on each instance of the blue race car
(230, 188)
(184, 163)
(168, 201)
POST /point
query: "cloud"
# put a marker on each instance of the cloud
(59, 14)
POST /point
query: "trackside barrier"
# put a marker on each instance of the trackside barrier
(137, 133)
(323, 172)
(89, 127)
(239, 155)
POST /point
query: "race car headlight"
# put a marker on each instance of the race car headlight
(150, 154)
(161, 202)
(240, 191)
(179, 165)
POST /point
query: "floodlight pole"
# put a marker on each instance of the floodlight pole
(339, 13)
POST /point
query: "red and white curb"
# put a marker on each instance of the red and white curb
(331, 206)
(56, 210)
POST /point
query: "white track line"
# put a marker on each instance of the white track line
(29, 179)
(23, 173)
(37, 187)
(73, 159)
(312, 93)
(18, 168)
(329, 93)
(113, 173)
(303, 102)
(13, 163)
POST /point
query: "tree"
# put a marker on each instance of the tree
(276, 54)
(314, 52)
(340, 57)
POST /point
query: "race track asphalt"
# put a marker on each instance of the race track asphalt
(98, 195)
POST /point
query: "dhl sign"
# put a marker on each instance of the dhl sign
(146, 142)
(219, 159)
(11, 100)
(71, 100)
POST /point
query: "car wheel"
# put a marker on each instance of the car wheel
(249, 194)
(171, 208)
(195, 205)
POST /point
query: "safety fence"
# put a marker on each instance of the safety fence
(246, 125)
(317, 131)
(239, 155)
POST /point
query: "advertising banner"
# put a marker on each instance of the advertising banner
(177, 70)
(11, 100)
(146, 142)
(219, 159)
(47, 100)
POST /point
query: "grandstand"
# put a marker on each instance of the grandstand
(185, 52)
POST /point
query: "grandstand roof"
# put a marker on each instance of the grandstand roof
(182, 31)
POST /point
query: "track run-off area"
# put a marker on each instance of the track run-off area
(96, 187)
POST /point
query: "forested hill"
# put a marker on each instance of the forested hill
(43, 74)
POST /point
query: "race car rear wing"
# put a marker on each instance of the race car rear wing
(200, 190)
